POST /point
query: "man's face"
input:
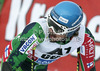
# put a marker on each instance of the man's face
(54, 37)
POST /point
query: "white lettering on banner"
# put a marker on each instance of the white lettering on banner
(17, 16)
(37, 11)
(22, 15)
(11, 25)
(93, 23)
(48, 11)
(18, 13)
(27, 43)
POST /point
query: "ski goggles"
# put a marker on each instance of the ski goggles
(58, 28)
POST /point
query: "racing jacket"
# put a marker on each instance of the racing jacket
(35, 36)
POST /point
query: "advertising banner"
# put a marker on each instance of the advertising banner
(16, 14)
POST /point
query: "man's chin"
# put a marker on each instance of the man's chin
(54, 40)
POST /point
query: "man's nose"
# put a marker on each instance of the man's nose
(50, 30)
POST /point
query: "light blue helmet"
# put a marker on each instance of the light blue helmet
(67, 16)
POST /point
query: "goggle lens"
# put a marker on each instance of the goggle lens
(56, 28)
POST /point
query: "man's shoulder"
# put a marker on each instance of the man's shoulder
(87, 31)
(33, 28)
(43, 23)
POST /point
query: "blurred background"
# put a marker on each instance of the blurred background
(16, 14)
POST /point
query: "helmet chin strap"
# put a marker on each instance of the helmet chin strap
(72, 34)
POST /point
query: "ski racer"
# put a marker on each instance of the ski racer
(48, 39)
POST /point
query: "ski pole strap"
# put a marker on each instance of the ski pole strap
(6, 67)
(77, 65)
(32, 63)
(78, 58)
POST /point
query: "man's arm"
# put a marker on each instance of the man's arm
(21, 44)
(87, 52)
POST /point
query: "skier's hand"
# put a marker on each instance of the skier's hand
(6, 67)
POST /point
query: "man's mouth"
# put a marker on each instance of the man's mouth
(52, 37)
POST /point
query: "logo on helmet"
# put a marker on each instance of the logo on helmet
(76, 20)
(63, 20)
